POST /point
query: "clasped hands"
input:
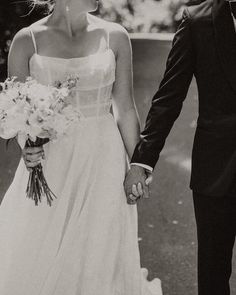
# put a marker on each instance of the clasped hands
(137, 183)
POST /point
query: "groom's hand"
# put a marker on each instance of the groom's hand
(137, 183)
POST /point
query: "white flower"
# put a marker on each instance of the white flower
(13, 94)
(5, 102)
(12, 125)
(63, 92)
(36, 91)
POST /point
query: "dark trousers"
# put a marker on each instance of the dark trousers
(216, 229)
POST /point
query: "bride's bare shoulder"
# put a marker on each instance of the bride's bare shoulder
(118, 34)
(112, 27)
(24, 35)
(22, 41)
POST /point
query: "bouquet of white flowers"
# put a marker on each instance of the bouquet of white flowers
(35, 114)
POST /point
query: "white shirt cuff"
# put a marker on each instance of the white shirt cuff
(149, 168)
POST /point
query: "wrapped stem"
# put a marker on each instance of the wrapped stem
(37, 184)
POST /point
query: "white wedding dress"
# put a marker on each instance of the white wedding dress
(86, 242)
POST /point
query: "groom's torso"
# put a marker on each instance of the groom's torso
(214, 152)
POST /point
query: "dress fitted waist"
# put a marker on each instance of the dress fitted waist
(94, 111)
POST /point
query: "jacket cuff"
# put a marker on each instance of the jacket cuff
(146, 167)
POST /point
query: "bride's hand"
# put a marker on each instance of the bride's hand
(32, 156)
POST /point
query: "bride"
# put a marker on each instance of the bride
(86, 242)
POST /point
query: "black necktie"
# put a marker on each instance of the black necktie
(233, 8)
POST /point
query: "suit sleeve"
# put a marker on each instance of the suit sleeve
(168, 101)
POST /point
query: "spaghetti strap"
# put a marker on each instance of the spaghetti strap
(33, 40)
(108, 39)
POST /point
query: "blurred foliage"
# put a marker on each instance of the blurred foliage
(134, 15)
(13, 17)
(144, 15)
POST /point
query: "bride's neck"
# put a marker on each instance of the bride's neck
(70, 21)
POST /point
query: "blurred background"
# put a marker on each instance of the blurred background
(167, 233)
(135, 15)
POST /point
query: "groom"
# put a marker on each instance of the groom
(204, 46)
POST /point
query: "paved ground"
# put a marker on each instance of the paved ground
(167, 228)
(167, 225)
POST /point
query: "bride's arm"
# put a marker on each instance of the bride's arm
(123, 99)
(18, 65)
(19, 54)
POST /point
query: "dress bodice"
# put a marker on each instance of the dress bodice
(96, 74)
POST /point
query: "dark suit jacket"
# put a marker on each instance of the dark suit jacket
(204, 46)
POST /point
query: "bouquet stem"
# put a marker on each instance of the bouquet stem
(37, 184)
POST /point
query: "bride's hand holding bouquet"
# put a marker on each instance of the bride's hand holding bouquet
(35, 114)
